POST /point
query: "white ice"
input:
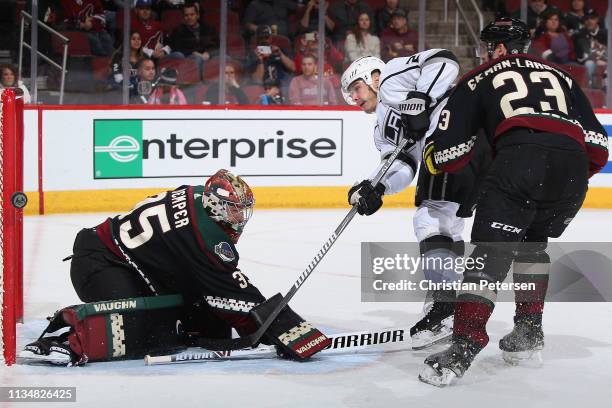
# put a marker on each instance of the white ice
(277, 246)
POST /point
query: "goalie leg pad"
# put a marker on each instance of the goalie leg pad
(291, 334)
(121, 329)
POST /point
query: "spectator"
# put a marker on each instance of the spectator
(194, 38)
(166, 91)
(591, 44)
(151, 31)
(88, 16)
(272, 94)
(553, 43)
(573, 18)
(233, 94)
(303, 89)
(9, 79)
(383, 15)
(135, 56)
(398, 40)
(536, 11)
(273, 13)
(361, 43)
(308, 44)
(310, 20)
(268, 61)
(344, 14)
(145, 76)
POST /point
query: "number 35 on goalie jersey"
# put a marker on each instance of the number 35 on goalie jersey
(516, 91)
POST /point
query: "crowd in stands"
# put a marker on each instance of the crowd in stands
(273, 45)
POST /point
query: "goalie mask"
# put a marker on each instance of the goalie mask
(361, 69)
(511, 32)
(229, 201)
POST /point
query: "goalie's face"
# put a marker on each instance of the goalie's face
(363, 95)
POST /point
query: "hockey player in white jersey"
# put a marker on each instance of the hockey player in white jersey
(407, 95)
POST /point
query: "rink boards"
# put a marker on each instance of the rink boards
(105, 158)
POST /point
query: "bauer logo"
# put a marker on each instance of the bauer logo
(193, 147)
(117, 148)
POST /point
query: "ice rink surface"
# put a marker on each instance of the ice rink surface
(275, 248)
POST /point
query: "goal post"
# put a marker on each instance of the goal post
(12, 201)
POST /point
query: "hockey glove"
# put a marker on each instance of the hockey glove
(368, 199)
(428, 159)
(415, 115)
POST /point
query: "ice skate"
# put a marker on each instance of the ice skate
(524, 342)
(443, 368)
(435, 327)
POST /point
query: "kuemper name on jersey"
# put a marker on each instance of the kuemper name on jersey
(179, 208)
(515, 63)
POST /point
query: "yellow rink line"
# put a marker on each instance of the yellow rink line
(57, 202)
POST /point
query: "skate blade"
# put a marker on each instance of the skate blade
(528, 358)
(56, 359)
(442, 378)
(427, 338)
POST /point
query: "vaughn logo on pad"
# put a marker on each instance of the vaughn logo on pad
(137, 148)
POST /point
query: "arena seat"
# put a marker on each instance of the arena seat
(188, 72)
(78, 45)
(253, 92)
(170, 19)
(597, 97)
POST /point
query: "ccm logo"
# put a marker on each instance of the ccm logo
(505, 227)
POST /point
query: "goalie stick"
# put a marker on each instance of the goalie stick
(343, 343)
(252, 339)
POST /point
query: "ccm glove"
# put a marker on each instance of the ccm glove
(415, 115)
(428, 159)
(368, 199)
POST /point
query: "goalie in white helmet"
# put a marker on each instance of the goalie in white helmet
(408, 94)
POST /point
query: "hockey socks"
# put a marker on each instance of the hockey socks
(293, 336)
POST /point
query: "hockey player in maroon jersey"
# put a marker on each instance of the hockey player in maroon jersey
(88, 16)
(547, 143)
(164, 274)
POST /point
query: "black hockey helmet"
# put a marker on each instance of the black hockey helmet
(511, 32)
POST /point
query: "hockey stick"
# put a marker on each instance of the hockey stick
(252, 339)
(344, 343)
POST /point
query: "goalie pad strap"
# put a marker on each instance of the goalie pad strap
(290, 333)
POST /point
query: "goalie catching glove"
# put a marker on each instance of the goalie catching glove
(368, 199)
(415, 115)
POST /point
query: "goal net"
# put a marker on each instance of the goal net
(11, 218)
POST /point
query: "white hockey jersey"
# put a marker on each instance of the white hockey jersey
(431, 72)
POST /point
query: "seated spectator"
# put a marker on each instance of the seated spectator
(267, 61)
(303, 89)
(9, 79)
(310, 19)
(88, 16)
(591, 44)
(272, 94)
(344, 14)
(153, 45)
(194, 38)
(135, 56)
(308, 44)
(536, 11)
(233, 94)
(273, 13)
(166, 91)
(383, 15)
(553, 44)
(145, 77)
(399, 40)
(573, 18)
(361, 43)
